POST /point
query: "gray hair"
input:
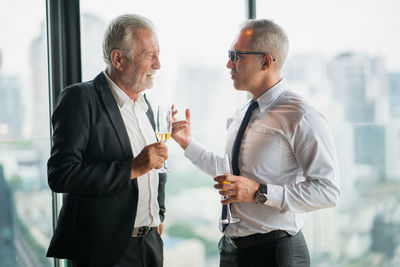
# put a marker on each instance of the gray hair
(268, 37)
(120, 35)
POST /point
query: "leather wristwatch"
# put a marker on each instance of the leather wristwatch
(261, 196)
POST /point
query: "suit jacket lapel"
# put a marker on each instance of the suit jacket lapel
(112, 109)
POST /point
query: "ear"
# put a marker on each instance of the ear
(267, 62)
(116, 59)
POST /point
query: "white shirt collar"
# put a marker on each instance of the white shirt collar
(122, 98)
(269, 97)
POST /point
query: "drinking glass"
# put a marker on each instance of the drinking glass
(163, 128)
(223, 166)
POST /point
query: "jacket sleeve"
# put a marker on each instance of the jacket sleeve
(68, 171)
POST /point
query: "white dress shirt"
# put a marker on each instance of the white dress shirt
(288, 146)
(140, 134)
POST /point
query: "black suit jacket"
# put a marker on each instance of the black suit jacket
(91, 163)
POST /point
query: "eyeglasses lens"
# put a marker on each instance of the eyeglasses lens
(232, 56)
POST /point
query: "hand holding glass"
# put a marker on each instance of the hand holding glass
(223, 166)
(163, 128)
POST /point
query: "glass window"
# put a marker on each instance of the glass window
(194, 39)
(25, 199)
(344, 58)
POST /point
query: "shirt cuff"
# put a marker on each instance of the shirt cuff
(193, 151)
(275, 196)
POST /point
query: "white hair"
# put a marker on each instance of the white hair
(268, 37)
(120, 34)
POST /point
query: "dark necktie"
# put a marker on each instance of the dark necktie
(238, 141)
(236, 148)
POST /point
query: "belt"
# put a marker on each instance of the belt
(256, 240)
(140, 231)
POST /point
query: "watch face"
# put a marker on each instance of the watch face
(261, 198)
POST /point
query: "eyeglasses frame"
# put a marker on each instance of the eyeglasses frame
(237, 52)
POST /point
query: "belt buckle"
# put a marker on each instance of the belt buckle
(140, 231)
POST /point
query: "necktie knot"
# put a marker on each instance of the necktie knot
(253, 105)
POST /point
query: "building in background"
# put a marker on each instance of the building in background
(353, 91)
(11, 107)
(93, 28)
(394, 94)
(7, 244)
(360, 83)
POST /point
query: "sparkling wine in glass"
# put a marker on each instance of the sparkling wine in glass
(163, 128)
(223, 166)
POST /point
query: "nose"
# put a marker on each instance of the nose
(156, 64)
(230, 65)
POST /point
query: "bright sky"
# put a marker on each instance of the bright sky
(208, 26)
(331, 27)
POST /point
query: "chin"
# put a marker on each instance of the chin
(237, 86)
(148, 83)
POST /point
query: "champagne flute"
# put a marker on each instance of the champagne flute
(164, 128)
(223, 166)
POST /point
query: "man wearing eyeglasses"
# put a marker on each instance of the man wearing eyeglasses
(282, 155)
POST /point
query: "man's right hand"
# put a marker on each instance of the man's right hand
(151, 157)
(181, 130)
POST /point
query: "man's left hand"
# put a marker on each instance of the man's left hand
(236, 188)
(160, 229)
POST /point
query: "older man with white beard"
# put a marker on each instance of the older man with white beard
(104, 148)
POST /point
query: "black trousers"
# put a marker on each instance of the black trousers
(144, 251)
(276, 248)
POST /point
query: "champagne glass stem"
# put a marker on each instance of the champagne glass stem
(164, 168)
(223, 167)
(164, 164)
(228, 212)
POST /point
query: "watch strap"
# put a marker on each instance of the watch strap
(263, 189)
